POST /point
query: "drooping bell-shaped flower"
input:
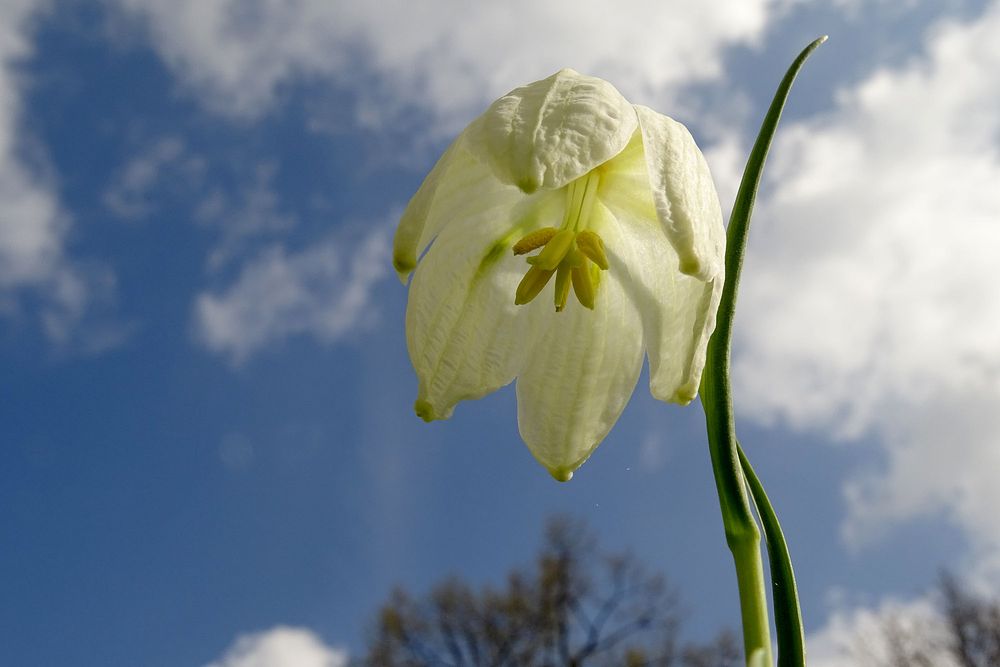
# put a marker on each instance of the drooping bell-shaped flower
(562, 187)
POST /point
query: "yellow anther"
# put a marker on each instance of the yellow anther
(555, 249)
(532, 283)
(534, 240)
(583, 287)
(573, 252)
(592, 245)
(562, 286)
(572, 258)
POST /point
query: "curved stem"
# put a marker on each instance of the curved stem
(742, 533)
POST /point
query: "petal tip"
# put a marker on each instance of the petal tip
(404, 265)
(682, 395)
(425, 410)
(529, 184)
(690, 266)
(561, 474)
(685, 394)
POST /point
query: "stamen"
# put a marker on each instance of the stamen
(555, 250)
(532, 283)
(534, 240)
(574, 253)
(587, 201)
(592, 245)
(574, 259)
(562, 286)
(569, 209)
(583, 287)
(575, 195)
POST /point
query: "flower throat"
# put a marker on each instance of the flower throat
(573, 252)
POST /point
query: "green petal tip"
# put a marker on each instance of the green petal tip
(424, 410)
(561, 474)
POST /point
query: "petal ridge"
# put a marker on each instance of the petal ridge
(580, 375)
(550, 132)
(683, 193)
(413, 233)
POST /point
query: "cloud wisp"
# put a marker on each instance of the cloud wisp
(861, 635)
(281, 646)
(34, 263)
(438, 57)
(323, 291)
(135, 190)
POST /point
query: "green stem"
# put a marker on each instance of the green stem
(753, 601)
(742, 533)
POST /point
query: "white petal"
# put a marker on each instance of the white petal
(550, 132)
(581, 373)
(417, 227)
(677, 311)
(464, 333)
(684, 194)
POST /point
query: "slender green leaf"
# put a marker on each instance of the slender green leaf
(784, 592)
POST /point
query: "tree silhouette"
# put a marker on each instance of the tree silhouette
(964, 631)
(574, 607)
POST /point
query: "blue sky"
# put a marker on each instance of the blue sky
(206, 426)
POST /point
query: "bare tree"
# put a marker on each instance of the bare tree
(575, 607)
(962, 631)
(973, 623)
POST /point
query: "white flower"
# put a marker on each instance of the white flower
(620, 202)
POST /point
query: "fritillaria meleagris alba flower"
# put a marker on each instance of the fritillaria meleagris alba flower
(569, 232)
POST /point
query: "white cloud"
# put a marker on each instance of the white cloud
(167, 171)
(871, 305)
(864, 636)
(33, 226)
(250, 213)
(323, 291)
(165, 162)
(853, 8)
(443, 57)
(281, 646)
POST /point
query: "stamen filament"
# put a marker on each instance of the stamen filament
(579, 192)
(574, 253)
(587, 202)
